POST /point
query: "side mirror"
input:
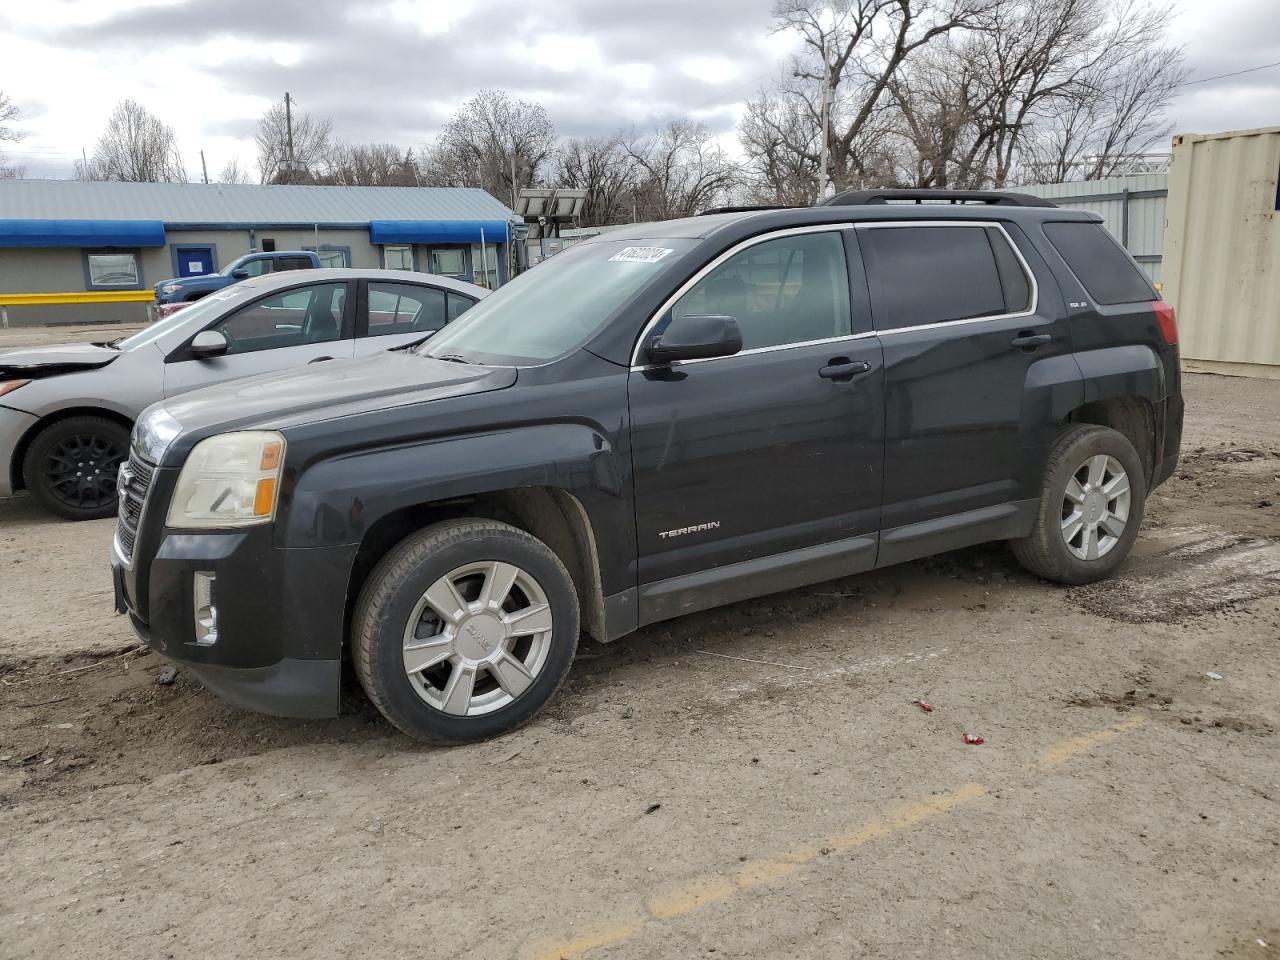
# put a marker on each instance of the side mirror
(208, 343)
(240, 273)
(695, 338)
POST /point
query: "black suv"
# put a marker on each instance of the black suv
(662, 419)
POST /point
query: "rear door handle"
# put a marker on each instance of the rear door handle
(318, 359)
(1029, 341)
(842, 368)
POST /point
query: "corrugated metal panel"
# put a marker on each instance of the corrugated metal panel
(1143, 235)
(1222, 247)
(241, 204)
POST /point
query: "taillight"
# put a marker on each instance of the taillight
(1167, 319)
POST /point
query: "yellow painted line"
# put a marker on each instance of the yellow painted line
(698, 892)
(575, 948)
(1067, 749)
(88, 296)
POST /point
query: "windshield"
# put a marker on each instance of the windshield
(204, 309)
(556, 306)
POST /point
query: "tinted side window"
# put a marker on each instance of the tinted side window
(788, 290)
(287, 319)
(404, 308)
(1017, 289)
(1099, 262)
(458, 306)
(922, 275)
(292, 263)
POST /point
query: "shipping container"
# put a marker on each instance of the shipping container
(1222, 250)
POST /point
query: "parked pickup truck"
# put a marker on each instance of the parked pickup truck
(662, 419)
(187, 289)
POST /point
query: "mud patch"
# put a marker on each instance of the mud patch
(1191, 572)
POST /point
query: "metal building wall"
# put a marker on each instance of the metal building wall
(1133, 208)
(1222, 250)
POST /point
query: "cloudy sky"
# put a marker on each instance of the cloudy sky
(396, 69)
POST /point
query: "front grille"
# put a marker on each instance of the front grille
(135, 479)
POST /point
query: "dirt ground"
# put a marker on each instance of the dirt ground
(749, 782)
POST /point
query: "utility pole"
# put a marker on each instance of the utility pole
(824, 158)
(513, 176)
(204, 169)
(288, 125)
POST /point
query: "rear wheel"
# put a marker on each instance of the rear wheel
(1091, 507)
(465, 630)
(71, 466)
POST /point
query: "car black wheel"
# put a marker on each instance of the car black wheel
(1091, 507)
(465, 630)
(71, 466)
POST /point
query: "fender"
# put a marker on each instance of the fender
(335, 501)
(1130, 370)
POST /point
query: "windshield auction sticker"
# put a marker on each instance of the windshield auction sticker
(641, 254)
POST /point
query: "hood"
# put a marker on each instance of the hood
(36, 362)
(335, 388)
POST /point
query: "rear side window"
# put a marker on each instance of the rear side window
(293, 263)
(923, 275)
(1099, 262)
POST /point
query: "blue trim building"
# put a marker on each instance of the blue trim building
(63, 236)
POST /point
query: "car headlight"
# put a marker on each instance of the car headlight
(170, 287)
(153, 433)
(231, 480)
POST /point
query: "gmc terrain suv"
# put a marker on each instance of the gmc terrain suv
(665, 418)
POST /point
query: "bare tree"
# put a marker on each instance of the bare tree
(492, 142)
(856, 48)
(312, 146)
(232, 172)
(602, 167)
(680, 171)
(372, 165)
(8, 113)
(136, 146)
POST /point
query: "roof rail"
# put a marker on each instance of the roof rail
(750, 208)
(859, 198)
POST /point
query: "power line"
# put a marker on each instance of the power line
(1234, 73)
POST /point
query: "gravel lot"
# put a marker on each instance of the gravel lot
(749, 782)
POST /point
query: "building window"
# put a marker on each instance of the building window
(333, 256)
(397, 257)
(484, 265)
(449, 262)
(114, 269)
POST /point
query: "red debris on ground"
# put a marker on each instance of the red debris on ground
(973, 740)
(926, 707)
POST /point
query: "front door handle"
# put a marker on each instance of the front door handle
(842, 368)
(1026, 340)
(318, 359)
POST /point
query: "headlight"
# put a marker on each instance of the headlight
(8, 386)
(170, 287)
(231, 480)
(153, 433)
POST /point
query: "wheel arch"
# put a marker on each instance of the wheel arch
(1133, 417)
(552, 514)
(24, 443)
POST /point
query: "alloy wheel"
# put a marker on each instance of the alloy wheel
(1095, 507)
(478, 638)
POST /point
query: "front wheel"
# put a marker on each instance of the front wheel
(71, 466)
(1091, 506)
(465, 630)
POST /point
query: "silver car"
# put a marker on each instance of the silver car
(66, 411)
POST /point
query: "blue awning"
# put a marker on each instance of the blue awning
(437, 231)
(81, 233)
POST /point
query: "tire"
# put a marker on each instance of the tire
(71, 465)
(512, 676)
(1067, 513)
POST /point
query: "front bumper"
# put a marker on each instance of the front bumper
(281, 614)
(14, 425)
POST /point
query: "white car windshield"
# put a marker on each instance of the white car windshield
(556, 306)
(199, 312)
